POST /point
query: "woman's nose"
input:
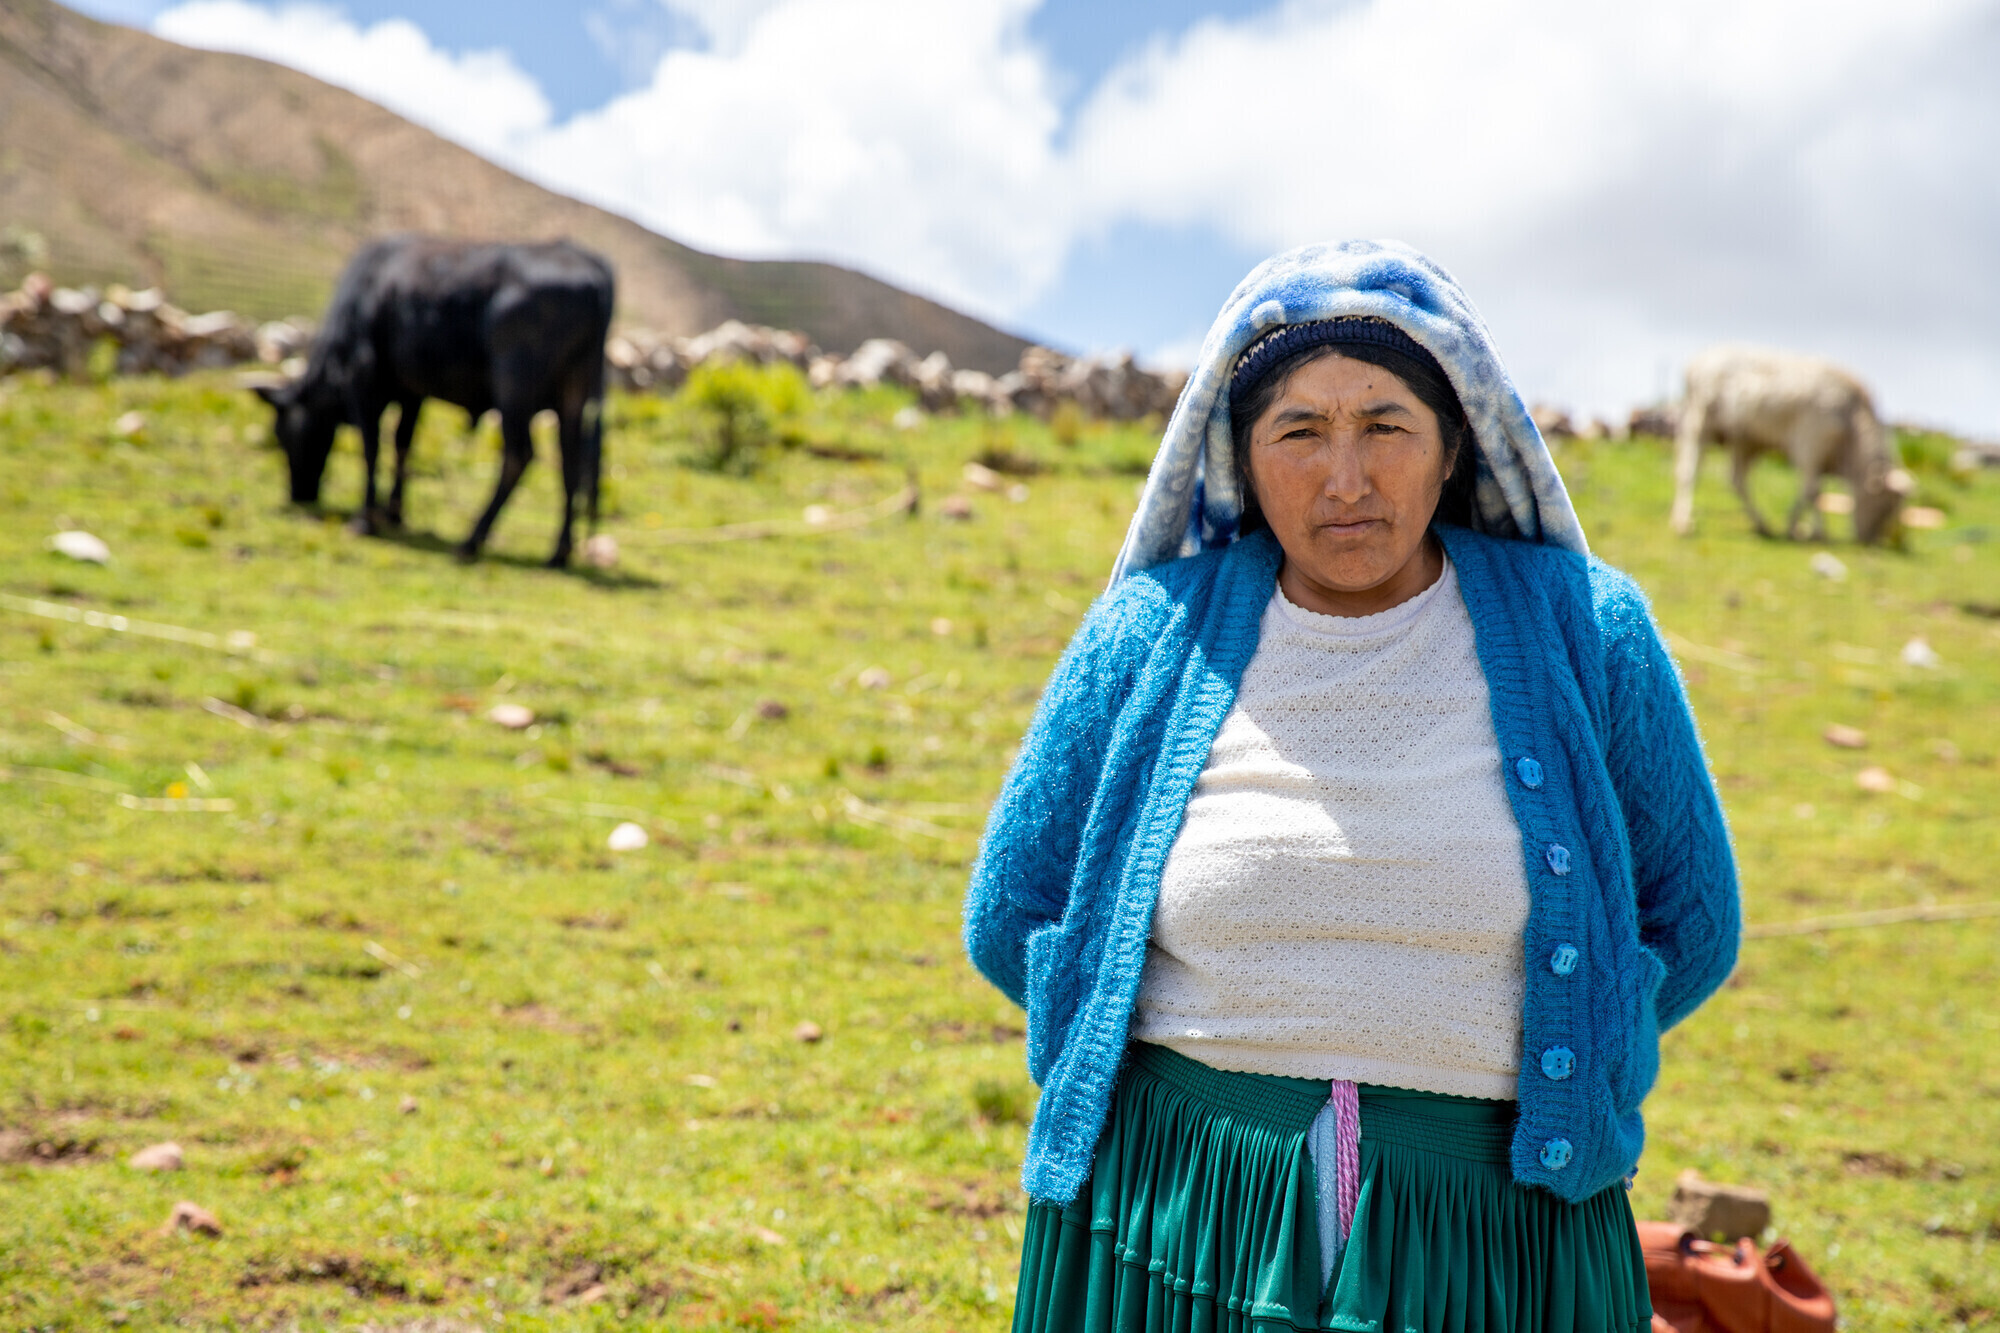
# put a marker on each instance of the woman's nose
(1346, 479)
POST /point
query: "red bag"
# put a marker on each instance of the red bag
(1699, 1287)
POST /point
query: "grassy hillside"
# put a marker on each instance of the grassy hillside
(238, 184)
(434, 1051)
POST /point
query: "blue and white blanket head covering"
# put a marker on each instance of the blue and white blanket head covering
(1192, 502)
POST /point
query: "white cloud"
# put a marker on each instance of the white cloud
(916, 141)
(1616, 184)
(479, 98)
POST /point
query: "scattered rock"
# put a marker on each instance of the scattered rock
(983, 478)
(874, 678)
(129, 426)
(158, 1157)
(1552, 421)
(955, 507)
(1828, 566)
(627, 837)
(81, 546)
(941, 626)
(768, 1236)
(408, 1106)
(514, 717)
(191, 1217)
(1018, 492)
(879, 361)
(1661, 420)
(1923, 516)
(600, 551)
(1845, 737)
(1919, 653)
(816, 516)
(908, 418)
(772, 710)
(1718, 1212)
(808, 1032)
(1875, 779)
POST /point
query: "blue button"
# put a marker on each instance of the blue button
(1558, 1062)
(1563, 961)
(1529, 772)
(1555, 1154)
(1559, 858)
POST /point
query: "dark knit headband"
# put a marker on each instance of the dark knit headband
(1260, 356)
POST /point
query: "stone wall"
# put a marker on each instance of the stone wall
(60, 329)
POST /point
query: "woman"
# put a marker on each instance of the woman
(1359, 852)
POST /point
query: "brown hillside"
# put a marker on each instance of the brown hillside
(232, 182)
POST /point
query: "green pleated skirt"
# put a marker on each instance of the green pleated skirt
(1201, 1215)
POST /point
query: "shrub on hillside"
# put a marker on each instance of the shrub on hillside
(745, 408)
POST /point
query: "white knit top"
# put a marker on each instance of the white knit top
(1346, 895)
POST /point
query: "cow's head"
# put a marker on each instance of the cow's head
(1878, 507)
(305, 425)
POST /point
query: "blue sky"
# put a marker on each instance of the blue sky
(1616, 186)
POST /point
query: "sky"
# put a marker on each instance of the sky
(1616, 186)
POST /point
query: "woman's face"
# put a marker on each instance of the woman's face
(1348, 465)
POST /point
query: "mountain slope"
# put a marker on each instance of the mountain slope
(233, 182)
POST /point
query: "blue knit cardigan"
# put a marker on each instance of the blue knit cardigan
(1633, 919)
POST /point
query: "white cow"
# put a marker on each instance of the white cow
(1752, 400)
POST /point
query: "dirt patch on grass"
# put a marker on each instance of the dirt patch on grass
(360, 1276)
(41, 1148)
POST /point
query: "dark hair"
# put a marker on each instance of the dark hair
(1430, 387)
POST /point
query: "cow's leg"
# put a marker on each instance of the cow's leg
(1739, 477)
(1813, 456)
(371, 448)
(569, 432)
(1806, 507)
(516, 452)
(406, 434)
(1687, 465)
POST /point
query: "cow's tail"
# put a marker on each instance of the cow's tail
(594, 401)
(593, 443)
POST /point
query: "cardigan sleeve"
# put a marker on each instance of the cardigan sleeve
(1685, 873)
(1028, 854)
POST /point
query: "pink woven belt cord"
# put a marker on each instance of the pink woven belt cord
(1346, 1099)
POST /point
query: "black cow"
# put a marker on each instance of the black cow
(516, 327)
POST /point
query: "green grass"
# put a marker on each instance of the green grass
(612, 1117)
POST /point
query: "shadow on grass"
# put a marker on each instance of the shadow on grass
(432, 544)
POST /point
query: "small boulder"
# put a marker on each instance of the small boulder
(955, 507)
(1919, 653)
(1828, 566)
(82, 546)
(191, 1217)
(158, 1157)
(808, 1032)
(514, 717)
(1845, 737)
(1718, 1212)
(408, 1106)
(874, 678)
(627, 837)
(1875, 779)
(600, 551)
